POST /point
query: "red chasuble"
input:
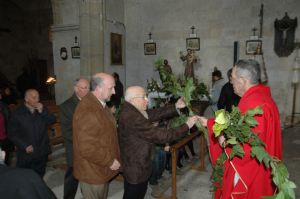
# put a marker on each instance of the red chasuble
(254, 179)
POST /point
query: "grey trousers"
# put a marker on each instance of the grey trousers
(94, 191)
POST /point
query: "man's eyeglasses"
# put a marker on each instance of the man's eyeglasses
(144, 97)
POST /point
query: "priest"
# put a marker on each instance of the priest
(246, 178)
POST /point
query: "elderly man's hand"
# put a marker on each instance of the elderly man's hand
(180, 103)
(2, 156)
(29, 149)
(203, 121)
(192, 120)
(115, 166)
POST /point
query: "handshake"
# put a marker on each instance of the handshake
(194, 119)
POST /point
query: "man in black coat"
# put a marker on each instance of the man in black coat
(137, 135)
(115, 99)
(28, 130)
(67, 108)
(227, 97)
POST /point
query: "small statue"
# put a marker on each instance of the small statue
(167, 67)
(190, 59)
(165, 72)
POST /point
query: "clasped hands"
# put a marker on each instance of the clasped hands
(191, 120)
(203, 121)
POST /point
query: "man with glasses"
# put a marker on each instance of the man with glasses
(67, 108)
(137, 136)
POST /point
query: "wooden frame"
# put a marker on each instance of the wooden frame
(150, 48)
(252, 45)
(75, 52)
(193, 43)
(116, 49)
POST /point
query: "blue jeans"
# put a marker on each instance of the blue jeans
(158, 165)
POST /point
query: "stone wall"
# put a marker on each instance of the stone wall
(67, 26)
(218, 24)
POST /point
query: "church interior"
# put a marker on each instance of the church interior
(48, 44)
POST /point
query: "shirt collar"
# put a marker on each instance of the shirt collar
(103, 103)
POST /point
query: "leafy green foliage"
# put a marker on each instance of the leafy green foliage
(177, 121)
(189, 89)
(236, 128)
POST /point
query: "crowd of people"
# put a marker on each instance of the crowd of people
(99, 147)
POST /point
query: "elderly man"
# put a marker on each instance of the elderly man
(67, 108)
(95, 143)
(28, 130)
(137, 135)
(245, 178)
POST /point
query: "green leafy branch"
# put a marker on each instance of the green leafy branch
(236, 128)
(185, 88)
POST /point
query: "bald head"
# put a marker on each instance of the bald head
(81, 87)
(137, 96)
(103, 86)
(30, 92)
(32, 98)
(99, 79)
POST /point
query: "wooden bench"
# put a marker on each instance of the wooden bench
(54, 131)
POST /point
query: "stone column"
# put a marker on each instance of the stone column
(91, 37)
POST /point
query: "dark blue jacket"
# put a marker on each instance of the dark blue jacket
(26, 128)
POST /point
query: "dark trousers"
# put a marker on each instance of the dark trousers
(135, 191)
(36, 164)
(70, 184)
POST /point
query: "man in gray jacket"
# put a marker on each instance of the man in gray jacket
(67, 108)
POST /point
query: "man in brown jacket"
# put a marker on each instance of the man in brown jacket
(137, 135)
(95, 142)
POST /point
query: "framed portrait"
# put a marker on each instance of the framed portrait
(116, 49)
(193, 43)
(150, 48)
(252, 46)
(75, 52)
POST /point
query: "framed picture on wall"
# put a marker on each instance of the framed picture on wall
(252, 46)
(116, 49)
(75, 52)
(150, 48)
(193, 43)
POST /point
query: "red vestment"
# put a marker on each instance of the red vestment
(255, 179)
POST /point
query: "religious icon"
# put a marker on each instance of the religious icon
(190, 59)
(150, 48)
(285, 36)
(116, 49)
